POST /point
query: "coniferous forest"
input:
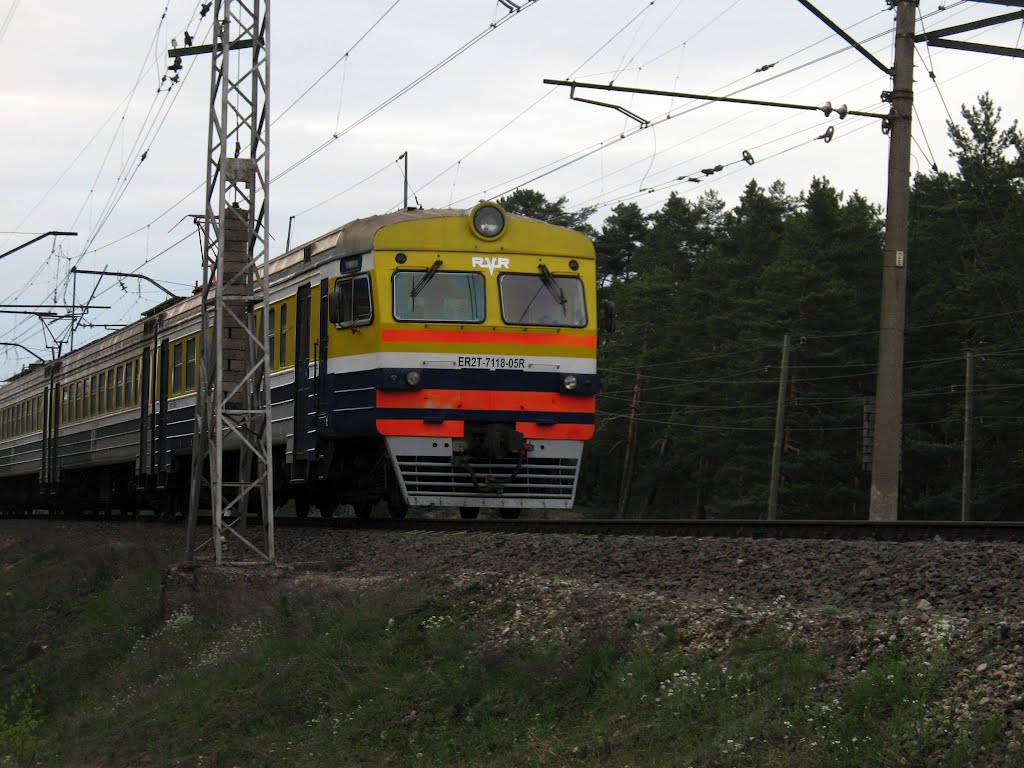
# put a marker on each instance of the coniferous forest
(704, 295)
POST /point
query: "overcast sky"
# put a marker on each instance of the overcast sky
(80, 105)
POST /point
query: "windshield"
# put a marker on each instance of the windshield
(542, 300)
(448, 297)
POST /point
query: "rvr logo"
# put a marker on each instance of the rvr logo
(492, 263)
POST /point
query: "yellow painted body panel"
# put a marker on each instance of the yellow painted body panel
(526, 244)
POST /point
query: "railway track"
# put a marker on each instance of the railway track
(842, 530)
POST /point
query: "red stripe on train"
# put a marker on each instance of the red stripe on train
(486, 400)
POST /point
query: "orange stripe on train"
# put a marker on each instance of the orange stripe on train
(487, 337)
(483, 400)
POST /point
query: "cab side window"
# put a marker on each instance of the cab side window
(351, 304)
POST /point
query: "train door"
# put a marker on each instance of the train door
(162, 463)
(323, 390)
(304, 411)
(144, 465)
(51, 411)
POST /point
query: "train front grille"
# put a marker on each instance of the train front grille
(531, 478)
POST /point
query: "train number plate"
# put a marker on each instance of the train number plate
(492, 362)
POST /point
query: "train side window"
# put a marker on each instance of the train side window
(176, 369)
(129, 383)
(110, 390)
(102, 398)
(351, 304)
(271, 349)
(78, 401)
(63, 404)
(283, 356)
(190, 364)
(94, 395)
(118, 387)
(135, 380)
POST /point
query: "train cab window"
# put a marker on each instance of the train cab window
(542, 299)
(176, 369)
(441, 297)
(283, 339)
(190, 364)
(350, 304)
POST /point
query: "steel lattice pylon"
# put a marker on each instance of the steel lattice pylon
(232, 399)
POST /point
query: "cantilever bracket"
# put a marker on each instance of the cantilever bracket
(631, 115)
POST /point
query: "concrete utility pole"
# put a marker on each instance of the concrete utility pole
(885, 463)
(965, 495)
(233, 396)
(780, 419)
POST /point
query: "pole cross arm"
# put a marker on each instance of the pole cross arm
(843, 34)
(939, 37)
(827, 108)
(37, 239)
(124, 274)
(22, 346)
(196, 50)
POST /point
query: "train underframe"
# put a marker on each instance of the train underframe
(491, 467)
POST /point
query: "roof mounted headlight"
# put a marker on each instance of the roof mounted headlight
(488, 221)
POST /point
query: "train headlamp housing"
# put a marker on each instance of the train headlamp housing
(488, 221)
(413, 378)
(569, 382)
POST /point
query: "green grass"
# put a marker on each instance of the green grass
(410, 676)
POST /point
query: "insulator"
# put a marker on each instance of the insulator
(176, 66)
(842, 112)
(827, 109)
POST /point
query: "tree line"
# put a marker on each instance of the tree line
(705, 293)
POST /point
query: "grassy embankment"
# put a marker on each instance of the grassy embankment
(92, 675)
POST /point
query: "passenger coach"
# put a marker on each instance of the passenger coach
(433, 358)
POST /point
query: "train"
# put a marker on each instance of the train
(430, 358)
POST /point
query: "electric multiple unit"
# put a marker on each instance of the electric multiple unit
(432, 358)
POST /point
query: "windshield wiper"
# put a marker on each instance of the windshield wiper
(549, 282)
(424, 280)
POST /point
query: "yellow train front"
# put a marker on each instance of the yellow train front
(459, 350)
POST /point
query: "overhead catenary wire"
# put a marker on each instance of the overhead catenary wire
(401, 92)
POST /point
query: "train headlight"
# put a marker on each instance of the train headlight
(569, 382)
(488, 221)
(413, 378)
